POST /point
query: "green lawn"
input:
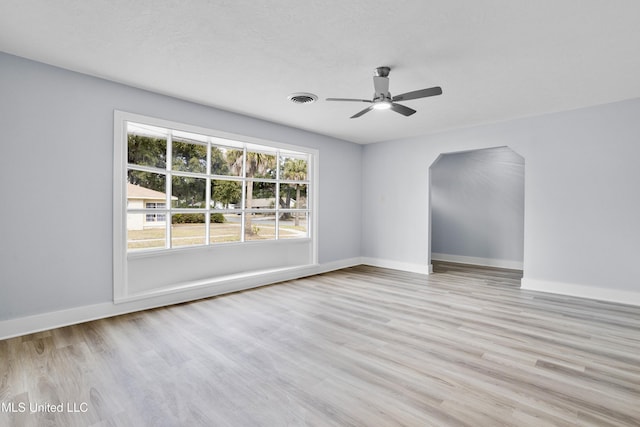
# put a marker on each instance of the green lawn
(194, 234)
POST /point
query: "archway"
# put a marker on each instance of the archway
(477, 208)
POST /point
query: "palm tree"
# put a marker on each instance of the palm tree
(295, 170)
(258, 165)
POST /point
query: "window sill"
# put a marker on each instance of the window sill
(220, 285)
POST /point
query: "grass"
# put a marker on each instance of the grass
(194, 234)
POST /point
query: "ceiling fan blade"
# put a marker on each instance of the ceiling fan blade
(349, 99)
(423, 93)
(381, 85)
(366, 110)
(405, 111)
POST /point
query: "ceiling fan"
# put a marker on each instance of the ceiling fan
(382, 99)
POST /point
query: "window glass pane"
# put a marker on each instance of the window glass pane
(187, 229)
(226, 194)
(260, 226)
(189, 157)
(225, 228)
(293, 168)
(261, 165)
(145, 187)
(226, 161)
(293, 225)
(145, 230)
(293, 196)
(142, 234)
(147, 151)
(187, 192)
(261, 195)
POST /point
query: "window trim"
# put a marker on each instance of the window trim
(120, 167)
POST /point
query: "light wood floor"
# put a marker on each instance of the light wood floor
(358, 347)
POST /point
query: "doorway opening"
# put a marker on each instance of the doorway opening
(477, 210)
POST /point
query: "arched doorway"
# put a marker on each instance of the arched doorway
(477, 208)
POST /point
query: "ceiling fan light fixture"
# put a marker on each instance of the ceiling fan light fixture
(382, 105)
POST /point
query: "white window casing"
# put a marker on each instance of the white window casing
(169, 268)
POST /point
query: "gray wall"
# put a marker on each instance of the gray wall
(477, 206)
(56, 182)
(581, 193)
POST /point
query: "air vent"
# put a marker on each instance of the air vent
(302, 98)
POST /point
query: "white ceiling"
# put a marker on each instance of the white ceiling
(495, 59)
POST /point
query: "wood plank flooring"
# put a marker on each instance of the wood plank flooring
(362, 346)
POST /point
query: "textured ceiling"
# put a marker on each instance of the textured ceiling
(495, 59)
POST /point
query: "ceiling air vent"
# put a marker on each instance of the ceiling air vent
(302, 98)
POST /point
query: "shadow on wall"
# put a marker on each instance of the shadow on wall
(477, 207)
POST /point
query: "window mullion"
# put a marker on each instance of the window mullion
(243, 204)
(207, 197)
(142, 168)
(168, 185)
(277, 204)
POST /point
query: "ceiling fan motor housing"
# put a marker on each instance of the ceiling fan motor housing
(382, 97)
(382, 71)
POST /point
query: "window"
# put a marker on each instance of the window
(206, 211)
(152, 217)
(200, 189)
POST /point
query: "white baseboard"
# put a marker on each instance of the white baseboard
(397, 265)
(41, 322)
(338, 265)
(486, 262)
(591, 292)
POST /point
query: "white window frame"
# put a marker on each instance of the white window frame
(120, 252)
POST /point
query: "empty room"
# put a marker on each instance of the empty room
(286, 213)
